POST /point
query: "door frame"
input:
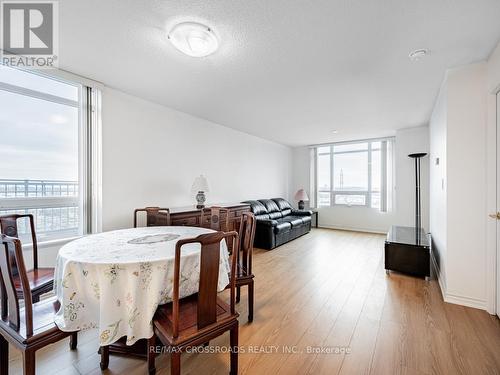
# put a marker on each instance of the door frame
(493, 206)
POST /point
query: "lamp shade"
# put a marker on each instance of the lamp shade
(301, 195)
(200, 184)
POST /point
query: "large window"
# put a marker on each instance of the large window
(354, 174)
(44, 152)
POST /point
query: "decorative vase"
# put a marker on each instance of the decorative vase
(301, 205)
(200, 199)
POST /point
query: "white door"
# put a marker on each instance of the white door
(498, 207)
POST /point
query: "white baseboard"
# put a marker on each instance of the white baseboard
(454, 298)
(352, 229)
(441, 282)
(465, 301)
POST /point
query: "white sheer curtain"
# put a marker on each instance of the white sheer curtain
(388, 186)
(312, 178)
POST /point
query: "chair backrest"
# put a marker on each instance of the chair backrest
(216, 218)
(11, 251)
(8, 226)
(247, 234)
(209, 275)
(155, 216)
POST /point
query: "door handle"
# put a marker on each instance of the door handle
(495, 216)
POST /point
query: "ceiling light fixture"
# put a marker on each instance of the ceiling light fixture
(418, 54)
(193, 39)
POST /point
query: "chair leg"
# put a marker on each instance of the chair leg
(152, 355)
(238, 294)
(104, 357)
(233, 342)
(250, 301)
(29, 362)
(73, 341)
(4, 356)
(175, 362)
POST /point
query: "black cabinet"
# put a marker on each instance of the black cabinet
(407, 250)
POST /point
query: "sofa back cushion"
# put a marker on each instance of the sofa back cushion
(270, 205)
(257, 207)
(282, 204)
(285, 206)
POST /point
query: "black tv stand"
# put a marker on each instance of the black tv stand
(407, 250)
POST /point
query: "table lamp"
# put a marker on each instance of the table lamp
(200, 185)
(301, 196)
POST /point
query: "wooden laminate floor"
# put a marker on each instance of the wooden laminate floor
(324, 305)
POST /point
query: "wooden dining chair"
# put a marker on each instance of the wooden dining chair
(41, 280)
(155, 216)
(194, 320)
(215, 218)
(29, 328)
(244, 274)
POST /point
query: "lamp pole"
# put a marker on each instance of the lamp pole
(418, 204)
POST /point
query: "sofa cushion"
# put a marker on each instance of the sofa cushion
(286, 212)
(275, 215)
(262, 217)
(283, 204)
(306, 219)
(257, 207)
(294, 220)
(270, 205)
(302, 212)
(268, 222)
(282, 226)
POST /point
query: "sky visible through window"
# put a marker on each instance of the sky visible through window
(354, 169)
(39, 138)
(350, 169)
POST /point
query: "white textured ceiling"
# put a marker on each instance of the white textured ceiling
(287, 70)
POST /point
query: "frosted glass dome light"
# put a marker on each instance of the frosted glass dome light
(193, 39)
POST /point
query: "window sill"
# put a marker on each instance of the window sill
(351, 207)
(51, 243)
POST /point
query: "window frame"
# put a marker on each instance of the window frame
(333, 193)
(88, 200)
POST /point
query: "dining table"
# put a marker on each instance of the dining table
(114, 281)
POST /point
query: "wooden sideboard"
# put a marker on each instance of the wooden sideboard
(191, 215)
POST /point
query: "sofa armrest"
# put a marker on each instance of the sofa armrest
(302, 212)
(267, 222)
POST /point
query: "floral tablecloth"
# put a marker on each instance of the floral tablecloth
(115, 280)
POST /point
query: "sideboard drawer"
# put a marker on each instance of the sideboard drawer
(191, 221)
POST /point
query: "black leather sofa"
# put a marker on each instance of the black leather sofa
(278, 222)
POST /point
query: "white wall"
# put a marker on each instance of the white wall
(437, 184)
(367, 219)
(151, 155)
(459, 207)
(466, 182)
(493, 75)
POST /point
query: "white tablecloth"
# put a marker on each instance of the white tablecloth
(115, 280)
